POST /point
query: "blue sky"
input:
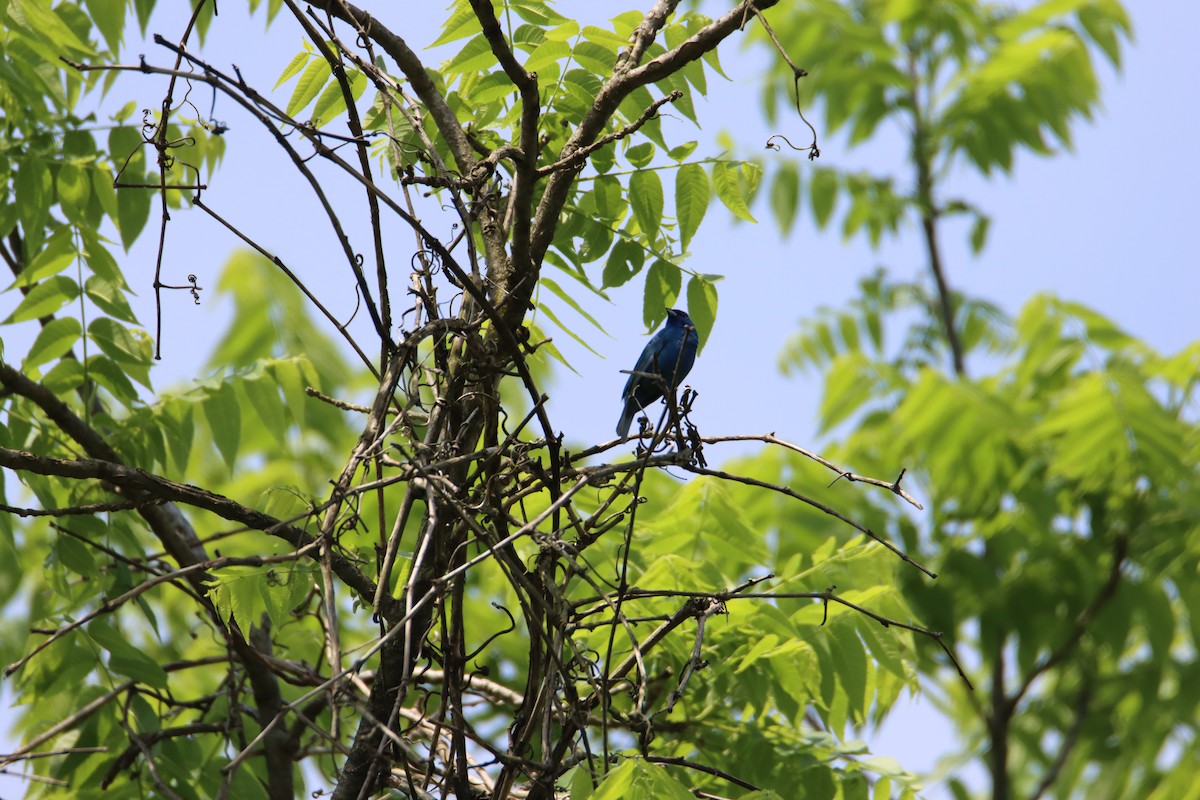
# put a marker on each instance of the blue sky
(1112, 225)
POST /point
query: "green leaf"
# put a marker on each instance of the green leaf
(40, 17)
(637, 778)
(692, 195)
(289, 374)
(848, 384)
(109, 299)
(109, 376)
(646, 197)
(75, 555)
(34, 192)
(578, 781)
(123, 113)
(224, 415)
(605, 158)
(549, 312)
(74, 190)
(332, 102)
(461, 24)
(823, 190)
(663, 281)
(624, 261)
(537, 12)
(979, 232)
(45, 299)
(618, 782)
(640, 155)
(127, 151)
(124, 658)
(609, 197)
(8, 216)
(53, 341)
(730, 190)
(330, 105)
(492, 87)
(237, 595)
(281, 591)
(129, 348)
(595, 58)
(109, 17)
(268, 405)
(563, 32)
(547, 53)
(785, 196)
(702, 306)
(102, 186)
(477, 56)
(177, 420)
(293, 68)
(566, 298)
(312, 80)
(1105, 23)
(527, 38)
(101, 261)
(57, 254)
(605, 37)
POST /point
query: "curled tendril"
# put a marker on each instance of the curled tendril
(813, 150)
(192, 288)
(512, 626)
(416, 261)
(357, 301)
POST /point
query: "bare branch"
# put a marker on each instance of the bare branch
(75, 511)
(643, 35)
(578, 158)
(158, 488)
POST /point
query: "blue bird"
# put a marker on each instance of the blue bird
(668, 357)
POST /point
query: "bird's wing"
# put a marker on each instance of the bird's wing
(652, 353)
(645, 363)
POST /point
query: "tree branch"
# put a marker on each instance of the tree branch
(580, 156)
(1104, 594)
(525, 176)
(159, 488)
(643, 35)
(616, 89)
(412, 67)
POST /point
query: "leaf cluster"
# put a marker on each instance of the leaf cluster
(1062, 522)
(967, 84)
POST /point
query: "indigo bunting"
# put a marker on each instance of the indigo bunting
(668, 357)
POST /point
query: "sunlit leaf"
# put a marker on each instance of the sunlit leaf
(646, 197)
(702, 306)
(311, 81)
(731, 190)
(53, 341)
(223, 412)
(44, 299)
(692, 195)
(663, 281)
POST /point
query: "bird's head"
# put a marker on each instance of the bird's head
(678, 317)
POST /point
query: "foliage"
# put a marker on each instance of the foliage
(1062, 525)
(429, 593)
(1061, 479)
(970, 84)
(426, 594)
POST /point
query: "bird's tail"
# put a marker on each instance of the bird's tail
(626, 420)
